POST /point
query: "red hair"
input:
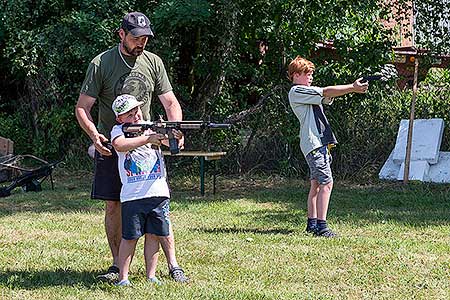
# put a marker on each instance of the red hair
(300, 65)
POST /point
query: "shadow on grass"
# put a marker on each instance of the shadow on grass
(71, 193)
(415, 205)
(235, 230)
(38, 279)
(49, 201)
(418, 204)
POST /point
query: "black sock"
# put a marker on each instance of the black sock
(321, 224)
(312, 222)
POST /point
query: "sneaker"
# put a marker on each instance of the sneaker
(124, 282)
(155, 281)
(325, 232)
(311, 229)
(111, 276)
(177, 275)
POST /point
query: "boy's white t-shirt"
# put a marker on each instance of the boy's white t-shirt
(142, 171)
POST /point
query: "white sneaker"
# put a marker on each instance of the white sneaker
(124, 282)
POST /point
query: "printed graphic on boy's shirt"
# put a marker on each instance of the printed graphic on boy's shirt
(140, 170)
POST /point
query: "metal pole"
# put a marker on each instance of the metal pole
(411, 123)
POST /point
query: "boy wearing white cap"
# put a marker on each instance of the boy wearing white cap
(145, 193)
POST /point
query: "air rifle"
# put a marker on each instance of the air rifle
(166, 127)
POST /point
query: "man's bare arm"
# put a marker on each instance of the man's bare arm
(84, 117)
(171, 106)
(173, 110)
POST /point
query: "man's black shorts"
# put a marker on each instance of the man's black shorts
(107, 184)
(148, 215)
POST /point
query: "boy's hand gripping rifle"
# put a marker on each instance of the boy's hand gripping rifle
(166, 127)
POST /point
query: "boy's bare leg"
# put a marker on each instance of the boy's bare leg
(312, 199)
(168, 246)
(126, 252)
(113, 228)
(323, 199)
(151, 250)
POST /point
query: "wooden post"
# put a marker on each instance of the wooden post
(202, 175)
(411, 123)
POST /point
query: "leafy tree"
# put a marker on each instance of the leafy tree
(226, 59)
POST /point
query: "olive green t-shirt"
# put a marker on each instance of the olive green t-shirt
(108, 77)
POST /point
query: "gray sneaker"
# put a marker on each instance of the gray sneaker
(177, 275)
(154, 280)
(111, 276)
(325, 232)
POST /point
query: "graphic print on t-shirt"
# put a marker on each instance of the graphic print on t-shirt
(133, 83)
(141, 169)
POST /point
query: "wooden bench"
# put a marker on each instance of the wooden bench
(203, 156)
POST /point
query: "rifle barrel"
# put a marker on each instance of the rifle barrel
(132, 128)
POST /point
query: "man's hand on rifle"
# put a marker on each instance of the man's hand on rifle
(178, 135)
(157, 138)
(180, 140)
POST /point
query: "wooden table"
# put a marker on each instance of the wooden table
(203, 156)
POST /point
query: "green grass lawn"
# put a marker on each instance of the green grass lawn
(246, 242)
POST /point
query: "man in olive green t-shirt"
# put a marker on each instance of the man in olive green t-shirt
(124, 69)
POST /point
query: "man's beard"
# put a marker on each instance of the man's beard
(132, 51)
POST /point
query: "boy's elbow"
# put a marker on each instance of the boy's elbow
(118, 146)
(119, 149)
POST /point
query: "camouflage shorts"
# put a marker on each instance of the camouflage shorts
(319, 162)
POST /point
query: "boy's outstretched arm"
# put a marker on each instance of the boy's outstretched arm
(340, 90)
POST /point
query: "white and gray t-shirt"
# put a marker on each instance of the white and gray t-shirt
(315, 131)
(142, 171)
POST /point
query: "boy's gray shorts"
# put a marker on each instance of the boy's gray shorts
(319, 162)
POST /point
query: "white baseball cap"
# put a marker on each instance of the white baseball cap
(124, 103)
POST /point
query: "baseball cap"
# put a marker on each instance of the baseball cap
(124, 103)
(137, 24)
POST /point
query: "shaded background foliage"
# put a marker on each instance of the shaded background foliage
(212, 51)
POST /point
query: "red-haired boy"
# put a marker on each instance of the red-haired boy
(316, 137)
